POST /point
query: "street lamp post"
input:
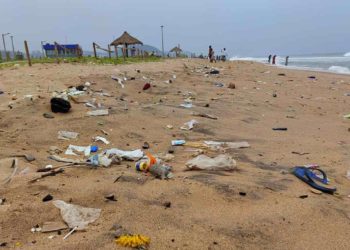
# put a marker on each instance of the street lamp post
(162, 40)
(13, 49)
(3, 41)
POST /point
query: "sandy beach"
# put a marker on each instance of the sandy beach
(256, 206)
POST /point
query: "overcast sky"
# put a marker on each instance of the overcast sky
(244, 27)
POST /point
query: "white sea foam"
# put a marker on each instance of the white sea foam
(254, 59)
(335, 63)
(339, 69)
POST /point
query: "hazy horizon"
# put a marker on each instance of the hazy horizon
(245, 28)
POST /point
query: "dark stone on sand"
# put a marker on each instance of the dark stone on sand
(167, 204)
(146, 86)
(232, 86)
(110, 197)
(48, 197)
(2, 201)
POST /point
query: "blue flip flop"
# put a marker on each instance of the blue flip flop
(309, 177)
(317, 177)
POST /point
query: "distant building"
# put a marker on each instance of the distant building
(63, 50)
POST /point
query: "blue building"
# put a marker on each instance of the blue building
(63, 50)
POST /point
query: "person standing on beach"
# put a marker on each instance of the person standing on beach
(213, 58)
(270, 58)
(223, 55)
(274, 59)
(211, 55)
(287, 58)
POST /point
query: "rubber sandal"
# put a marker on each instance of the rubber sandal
(307, 176)
(316, 176)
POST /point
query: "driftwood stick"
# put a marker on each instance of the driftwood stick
(60, 166)
(61, 159)
(50, 169)
(52, 173)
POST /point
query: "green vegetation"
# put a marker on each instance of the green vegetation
(84, 60)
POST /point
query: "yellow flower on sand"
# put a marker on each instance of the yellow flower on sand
(133, 240)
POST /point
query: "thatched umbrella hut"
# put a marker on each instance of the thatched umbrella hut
(177, 50)
(125, 40)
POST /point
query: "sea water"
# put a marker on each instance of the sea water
(336, 63)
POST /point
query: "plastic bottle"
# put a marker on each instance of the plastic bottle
(144, 165)
(178, 142)
(141, 166)
(155, 167)
(93, 149)
(161, 171)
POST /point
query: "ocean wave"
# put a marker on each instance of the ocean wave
(347, 54)
(254, 59)
(339, 69)
(334, 64)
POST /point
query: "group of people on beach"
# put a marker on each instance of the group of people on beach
(274, 60)
(221, 57)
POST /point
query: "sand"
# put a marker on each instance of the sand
(207, 210)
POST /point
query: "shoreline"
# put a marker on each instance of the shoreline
(309, 69)
(294, 67)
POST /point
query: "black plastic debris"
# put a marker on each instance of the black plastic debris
(214, 72)
(80, 87)
(280, 129)
(59, 105)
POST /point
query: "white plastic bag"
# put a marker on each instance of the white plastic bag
(128, 155)
(66, 135)
(100, 138)
(99, 112)
(189, 125)
(77, 216)
(219, 163)
(71, 148)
